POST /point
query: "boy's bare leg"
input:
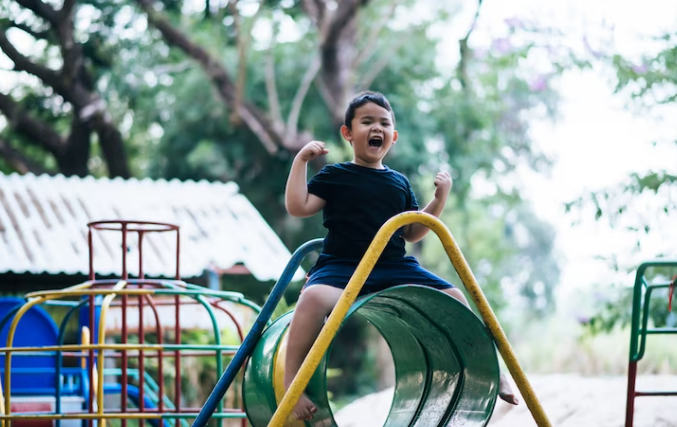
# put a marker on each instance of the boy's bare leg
(505, 391)
(315, 303)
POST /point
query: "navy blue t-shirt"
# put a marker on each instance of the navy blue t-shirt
(359, 200)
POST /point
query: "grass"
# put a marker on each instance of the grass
(561, 345)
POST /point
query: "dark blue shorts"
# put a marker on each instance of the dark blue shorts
(334, 271)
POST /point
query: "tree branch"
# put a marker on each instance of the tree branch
(474, 21)
(299, 97)
(40, 35)
(314, 11)
(240, 78)
(271, 86)
(345, 11)
(243, 39)
(464, 50)
(372, 38)
(41, 9)
(37, 131)
(222, 80)
(23, 63)
(66, 10)
(18, 161)
(382, 63)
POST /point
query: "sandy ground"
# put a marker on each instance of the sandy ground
(568, 400)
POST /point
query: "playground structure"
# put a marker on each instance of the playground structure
(432, 388)
(639, 329)
(43, 378)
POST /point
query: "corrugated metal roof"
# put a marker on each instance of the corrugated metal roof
(43, 226)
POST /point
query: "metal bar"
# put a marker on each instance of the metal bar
(655, 393)
(351, 291)
(90, 244)
(102, 340)
(630, 397)
(159, 354)
(125, 358)
(645, 322)
(59, 356)
(177, 356)
(240, 334)
(90, 359)
(153, 347)
(111, 354)
(255, 333)
(661, 331)
(142, 331)
(111, 416)
(75, 293)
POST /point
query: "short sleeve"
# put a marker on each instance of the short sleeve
(319, 185)
(412, 203)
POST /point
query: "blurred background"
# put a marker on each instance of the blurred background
(556, 120)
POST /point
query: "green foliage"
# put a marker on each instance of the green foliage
(472, 119)
(613, 307)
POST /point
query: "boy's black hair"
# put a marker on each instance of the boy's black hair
(362, 98)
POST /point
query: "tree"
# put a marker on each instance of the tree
(230, 91)
(644, 199)
(63, 115)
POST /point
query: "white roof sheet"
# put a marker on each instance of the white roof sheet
(43, 227)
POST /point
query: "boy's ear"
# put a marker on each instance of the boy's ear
(346, 133)
(394, 137)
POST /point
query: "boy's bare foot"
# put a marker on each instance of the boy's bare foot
(304, 409)
(505, 391)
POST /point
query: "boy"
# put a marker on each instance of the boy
(357, 198)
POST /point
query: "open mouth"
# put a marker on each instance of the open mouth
(375, 142)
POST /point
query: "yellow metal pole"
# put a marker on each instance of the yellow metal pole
(87, 416)
(353, 288)
(2, 407)
(78, 293)
(84, 339)
(81, 347)
(102, 340)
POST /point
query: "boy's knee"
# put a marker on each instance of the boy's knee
(457, 294)
(318, 298)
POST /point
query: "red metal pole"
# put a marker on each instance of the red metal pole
(90, 361)
(160, 353)
(124, 251)
(178, 253)
(177, 332)
(91, 254)
(630, 403)
(142, 338)
(124, 359)
(177, 357)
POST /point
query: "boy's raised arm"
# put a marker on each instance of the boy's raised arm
(416, 231)
(297, 200)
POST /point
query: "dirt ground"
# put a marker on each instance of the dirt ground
(568, 400)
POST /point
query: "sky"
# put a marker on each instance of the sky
(599, 139)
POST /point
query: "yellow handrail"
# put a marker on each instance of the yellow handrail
(78, 293)
(353, 288)
(102, 340)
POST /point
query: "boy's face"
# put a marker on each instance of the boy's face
(372, 134)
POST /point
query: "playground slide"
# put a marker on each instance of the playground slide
(446, 374)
